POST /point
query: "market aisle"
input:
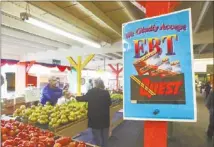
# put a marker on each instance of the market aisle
(192, 134)
(129, 134)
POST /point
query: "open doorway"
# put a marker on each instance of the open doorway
(10, 77)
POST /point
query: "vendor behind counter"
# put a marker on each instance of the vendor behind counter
(51, 93)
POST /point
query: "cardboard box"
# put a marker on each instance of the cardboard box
(20, 100)
(8, 103)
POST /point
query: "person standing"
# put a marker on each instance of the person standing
(58, 82)
(99, 103)
(67, 95)
(210, 106)
(51, 93)
(90, 84)
(207, 89)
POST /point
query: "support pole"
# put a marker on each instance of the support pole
(27, 65)
(156, 132)
(117, 72)
(79, 73)
(79, 66)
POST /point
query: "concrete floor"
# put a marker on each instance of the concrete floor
(129, 134)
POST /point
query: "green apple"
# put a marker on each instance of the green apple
(33, 107)
(53, 115)
(54, 120)
(50, 123)
(65, 120)
(59, 121)
(22, 107)
(63, 116)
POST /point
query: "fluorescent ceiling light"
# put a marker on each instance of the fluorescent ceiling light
(61, 32)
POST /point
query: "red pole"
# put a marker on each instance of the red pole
(27, 68)
(117, 77)
(117, 72)
(155, 132)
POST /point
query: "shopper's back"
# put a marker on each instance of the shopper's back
(99, 102)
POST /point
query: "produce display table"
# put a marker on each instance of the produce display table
(10, 110)
(78, 127)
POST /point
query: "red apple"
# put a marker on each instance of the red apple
(4, 137)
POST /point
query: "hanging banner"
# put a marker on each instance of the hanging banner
(158, 73)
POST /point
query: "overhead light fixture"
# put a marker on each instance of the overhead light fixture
(27, 18)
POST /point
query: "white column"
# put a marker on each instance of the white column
(20, 79)
(4, 86)
(38, 80)
(72, 80)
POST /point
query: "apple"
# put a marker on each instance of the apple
(41, 144)
(9, 142)
(34, 139)
(57, 145)
(4, 137)
(49, 142)
(4, 130)
(81, 144)
(12, 133)
(21, 126)
(73, 144)
(17, 140)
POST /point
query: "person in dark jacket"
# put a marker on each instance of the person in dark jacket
(210, 106)
(207, 89)
(99, 103)
(51, 93)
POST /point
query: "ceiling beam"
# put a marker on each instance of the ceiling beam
(129, 11)
(96, 57)
(101, 16)
(11, 17)
(16, 48)
(202, 15)
(8, 53)
(13, 50)
(74, 51)
(140, 7)
(117, 54)
(26, 43)
(31, 38)
(204, 37)
(100, 63)
(79, 25)
(10, 56)
(26, 27)
(20, 45)
(108, 56)
(203, 47)
(201, 56)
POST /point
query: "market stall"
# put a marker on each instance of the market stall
(75, 128)
(16, 133)
(69, 119)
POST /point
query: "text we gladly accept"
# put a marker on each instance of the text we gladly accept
(155, 42)
(159, 88)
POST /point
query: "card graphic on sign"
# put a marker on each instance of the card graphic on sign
(158, 74)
